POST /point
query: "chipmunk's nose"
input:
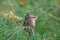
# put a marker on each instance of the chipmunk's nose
(35, 16)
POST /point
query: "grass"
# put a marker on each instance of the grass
(47, 26)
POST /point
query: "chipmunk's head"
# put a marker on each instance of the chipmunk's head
(29, 19)
(32, 16)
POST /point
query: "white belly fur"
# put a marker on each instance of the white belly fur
(33, 22)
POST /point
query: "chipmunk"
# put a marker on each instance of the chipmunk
(29, 22)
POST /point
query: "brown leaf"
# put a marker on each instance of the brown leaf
(22, 3)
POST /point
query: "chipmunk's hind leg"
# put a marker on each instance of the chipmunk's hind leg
(26, 29)
(29, 31)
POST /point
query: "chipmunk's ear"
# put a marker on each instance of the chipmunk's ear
(28, 13)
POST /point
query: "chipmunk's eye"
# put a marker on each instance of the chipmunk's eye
(33, 17)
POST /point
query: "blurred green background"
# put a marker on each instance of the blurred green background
(47, 25)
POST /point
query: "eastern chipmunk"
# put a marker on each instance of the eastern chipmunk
(29, 22)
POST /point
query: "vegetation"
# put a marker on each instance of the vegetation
(47, 25)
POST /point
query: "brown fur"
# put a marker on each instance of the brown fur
(29, 21)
